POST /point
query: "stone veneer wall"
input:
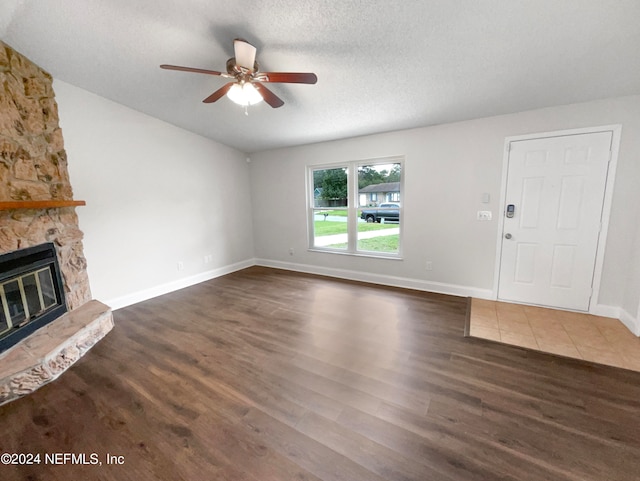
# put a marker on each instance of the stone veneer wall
(33, 166)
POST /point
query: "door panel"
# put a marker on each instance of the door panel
(571, 194)
(562, 266)
(525, 263)
(557, 186)
(530, 201)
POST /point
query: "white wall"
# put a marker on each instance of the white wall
(447, 169)
(631, 301)
(156, 195)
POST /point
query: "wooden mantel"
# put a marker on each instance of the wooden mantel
(39, 204)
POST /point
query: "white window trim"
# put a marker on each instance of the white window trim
(352, 207)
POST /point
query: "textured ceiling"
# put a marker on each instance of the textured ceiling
(382, 65)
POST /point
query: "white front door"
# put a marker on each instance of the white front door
(556, 186)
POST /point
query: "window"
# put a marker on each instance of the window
(329, 209)
(343, 215)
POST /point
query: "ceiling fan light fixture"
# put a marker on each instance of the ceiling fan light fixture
(244, 94)
(247, 84)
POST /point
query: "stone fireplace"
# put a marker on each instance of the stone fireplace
(36, 209)
(31, 292)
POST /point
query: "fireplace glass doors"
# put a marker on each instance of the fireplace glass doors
(31, 293)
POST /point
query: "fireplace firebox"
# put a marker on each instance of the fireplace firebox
(31, 292)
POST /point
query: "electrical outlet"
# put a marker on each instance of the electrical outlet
(208, 258)
(484, 215)
(180, 265)
(428, 266)
(291, 251)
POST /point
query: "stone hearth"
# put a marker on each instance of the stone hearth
(52, 349)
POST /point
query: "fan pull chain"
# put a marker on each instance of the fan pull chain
(246, 110)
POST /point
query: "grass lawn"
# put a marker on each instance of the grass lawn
(339, 213)
(328, 227)
(387, 243)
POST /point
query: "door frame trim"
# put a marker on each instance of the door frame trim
(616, 131)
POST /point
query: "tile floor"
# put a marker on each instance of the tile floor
(572, 334)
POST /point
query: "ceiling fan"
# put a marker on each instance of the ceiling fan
(247, 87)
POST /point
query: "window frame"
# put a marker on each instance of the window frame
(352, 207)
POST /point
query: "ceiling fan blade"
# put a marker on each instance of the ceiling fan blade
(218, 94)
(191, 69)
(268, 96)
(288, 77)
(245, 54)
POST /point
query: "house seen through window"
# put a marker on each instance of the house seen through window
(356, 207)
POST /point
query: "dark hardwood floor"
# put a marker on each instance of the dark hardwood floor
(270, 375)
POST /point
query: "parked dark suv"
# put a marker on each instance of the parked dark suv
(387, 211)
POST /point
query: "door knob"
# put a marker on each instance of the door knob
(508, 236)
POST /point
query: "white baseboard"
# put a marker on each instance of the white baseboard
(143, 295)
(632, 323)
(404, 282)
(605, 311)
